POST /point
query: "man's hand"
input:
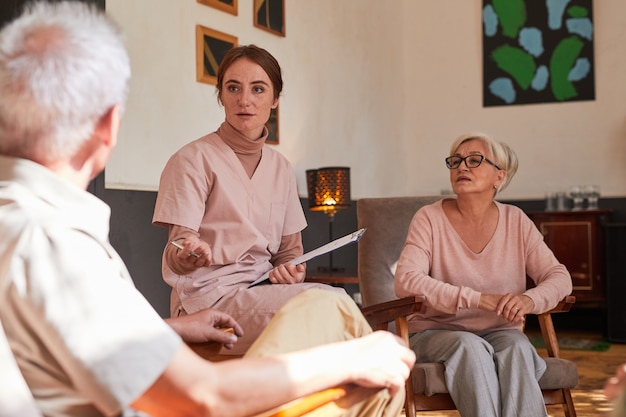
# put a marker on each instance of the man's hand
(380, 359)
(207, 326)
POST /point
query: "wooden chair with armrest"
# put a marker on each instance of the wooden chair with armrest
(387, 221)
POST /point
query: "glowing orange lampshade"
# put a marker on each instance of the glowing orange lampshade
(328, 189)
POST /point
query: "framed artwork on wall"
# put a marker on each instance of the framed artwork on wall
(211, 46)
(537, 52)
(272, 127)
(229, 6)
(269, 15)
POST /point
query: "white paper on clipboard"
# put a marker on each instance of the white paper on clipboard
(329, 247)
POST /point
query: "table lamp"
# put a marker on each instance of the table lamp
(329, 192)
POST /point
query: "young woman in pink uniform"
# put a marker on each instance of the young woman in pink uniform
(470, 256)
(231, 201)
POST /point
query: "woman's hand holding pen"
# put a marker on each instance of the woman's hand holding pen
(185, 255)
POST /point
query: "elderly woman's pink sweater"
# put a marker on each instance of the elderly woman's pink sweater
(437, 263)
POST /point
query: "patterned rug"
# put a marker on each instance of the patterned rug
(573, 343)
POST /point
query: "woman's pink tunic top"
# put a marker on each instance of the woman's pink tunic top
(204, 187)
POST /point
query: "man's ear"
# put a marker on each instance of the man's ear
(108, 126)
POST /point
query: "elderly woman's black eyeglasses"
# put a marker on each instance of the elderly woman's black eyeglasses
(471, 161)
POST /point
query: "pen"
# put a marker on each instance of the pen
(179, 246)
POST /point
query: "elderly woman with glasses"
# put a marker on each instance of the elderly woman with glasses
(470, 256)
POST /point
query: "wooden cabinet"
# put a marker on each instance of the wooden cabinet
(577, 240)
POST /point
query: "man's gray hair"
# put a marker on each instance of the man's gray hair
(62, 67)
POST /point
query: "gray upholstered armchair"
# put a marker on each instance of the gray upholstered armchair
(387, 221)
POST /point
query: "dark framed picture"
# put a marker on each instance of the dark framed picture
(211, 46)
(272, 127)
(228, 6)
(269, 15)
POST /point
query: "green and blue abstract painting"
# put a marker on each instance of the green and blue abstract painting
(537, 51)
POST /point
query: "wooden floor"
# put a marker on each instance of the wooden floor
(593, 370)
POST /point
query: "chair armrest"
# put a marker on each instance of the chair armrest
(547, 326)
(564, 305)
(381, 314)
(330, 402)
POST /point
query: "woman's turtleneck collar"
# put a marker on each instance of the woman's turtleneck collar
(240, 144)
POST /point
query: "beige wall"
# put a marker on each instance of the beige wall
(382, 87)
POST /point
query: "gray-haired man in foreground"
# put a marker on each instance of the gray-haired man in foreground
(77, 338)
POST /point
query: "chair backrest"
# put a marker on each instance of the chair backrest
(387, 221)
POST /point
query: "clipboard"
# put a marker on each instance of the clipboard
(329, 247)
